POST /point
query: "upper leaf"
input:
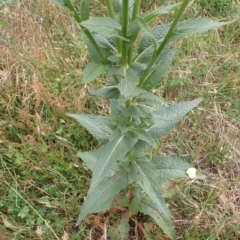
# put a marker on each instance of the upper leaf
(99, 126)
(167, 117)
(106, 44)
(100, 199)
(92, 71)
(146, 46)
(142, 173)
(159, 11)
(158, 71)
(105, 26)
(108, 155)
(144, 105)
(194, 26)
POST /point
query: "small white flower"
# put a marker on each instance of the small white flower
(192, 172)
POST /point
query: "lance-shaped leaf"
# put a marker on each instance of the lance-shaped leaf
(146, 47)
(148, 207)
(194, 26)
(84, 8)
(159, 11)
(92, 71)
(108, 155)
(169, 168)
(142, 173)
(108, 91)
(105, 26)
(106, 44)
(99, 126)
(167, 117)
(100, 199)
(157, 73)
(128, 84)
(144, 105)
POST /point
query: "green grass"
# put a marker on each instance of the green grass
(43, 183)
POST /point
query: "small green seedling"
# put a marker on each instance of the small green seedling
(135, 58)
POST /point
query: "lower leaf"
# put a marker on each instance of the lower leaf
(100, 198)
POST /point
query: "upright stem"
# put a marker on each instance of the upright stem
(136, 8)
(166, 39)
(110, 8)
(135, 14)
(124, 33)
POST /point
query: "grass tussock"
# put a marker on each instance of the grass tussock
(43, 183)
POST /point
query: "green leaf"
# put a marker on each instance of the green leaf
(159, 11)
(166, 118)
(141, 134)
(159, 70)
(148, 207)
(169, 168)
(84, 8)
(105, 26)
(100, 199)
(63, 4)
(92, 71)
(144, 105)
(142, 173)
(145, 27)
(194, 26)
(110, 92)
(146, 46)
(99, 126)
(89, 158)
(108, 155)
(128, 84)
(106, 44)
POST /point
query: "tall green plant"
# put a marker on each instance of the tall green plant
(135, 58)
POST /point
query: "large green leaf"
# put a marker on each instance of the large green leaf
(148, 207)
(144, 105)
(108, 155)
(166, 118)
(158, 71)
(142, 173)
(194, 26)
(128, 84)
(100, 199)
(99, 126)
(92, 71)
(183, 29)
(105, 26)
(159, 11)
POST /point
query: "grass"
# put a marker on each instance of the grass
(43, 183)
